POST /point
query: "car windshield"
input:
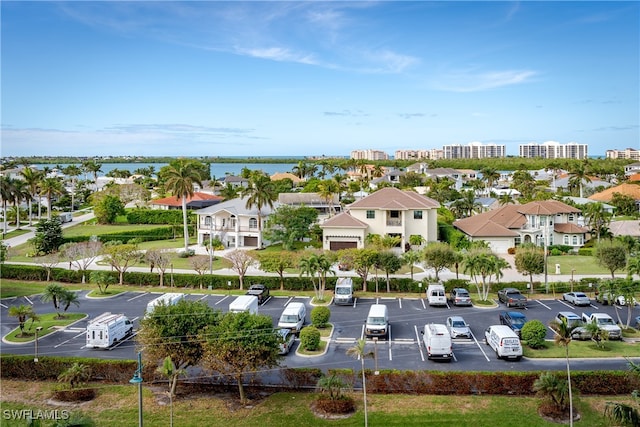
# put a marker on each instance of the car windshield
(606, 322)
(289, 318)
(581, 296)
(376, 321)
(458, 324)
(518, 321)
(343, 291)
(462, 294)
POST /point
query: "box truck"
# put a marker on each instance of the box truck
(166, 299)
(107, 329)
(248, 303)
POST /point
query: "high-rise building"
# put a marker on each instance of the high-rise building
(473, 150)
(432, 154)
(627, 153)
(554, 150)
(369, 155)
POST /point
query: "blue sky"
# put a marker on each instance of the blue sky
(213, 78)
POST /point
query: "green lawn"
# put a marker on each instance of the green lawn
(579, 349)
(48, 322)
(583, 265)
(117, 405)
(16, 233)
(90, 229)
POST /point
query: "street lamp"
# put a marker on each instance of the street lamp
(210, 245)
(137, 379)
(573, 270)
(35, 358)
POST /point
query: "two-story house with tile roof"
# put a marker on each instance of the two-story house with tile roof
(386, 212)
(511, 225)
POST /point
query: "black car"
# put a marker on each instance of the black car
(260, 291)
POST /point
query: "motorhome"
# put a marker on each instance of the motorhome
(503, 341)
(437, 341)
(377, 323)
(293, 317)
(344, 291)
(244, 303)
(166, 299)
(107, 329)
(436, 295)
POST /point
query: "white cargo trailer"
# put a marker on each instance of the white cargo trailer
(166, 299)
(107, 329)
(248, 303)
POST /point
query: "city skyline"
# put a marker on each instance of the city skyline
(316, 78)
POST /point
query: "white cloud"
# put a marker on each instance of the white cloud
(464, 81)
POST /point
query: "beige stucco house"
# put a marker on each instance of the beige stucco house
(388, 211)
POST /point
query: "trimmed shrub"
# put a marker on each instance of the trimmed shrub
(156, 216)
(310, 338)
(301, 377)
(49, 367)
(585, 251)
(533, 333)
(556, 252)
(320, 316)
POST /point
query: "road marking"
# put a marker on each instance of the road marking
(423, 305)
(567, 304)
(28, 300)
(389, 339)
(543, 304)
(203, 297)
(480, 347)
(70, 339)
(135, 318)
(3, 305)
(222, 300)
(418, 340)
(400, 302)
(454, 356)
(345, 340)
(288, 301)
(122, 341)
(354, 302)
(138, 296)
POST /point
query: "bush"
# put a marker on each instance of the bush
(511, 251)
(556, 252)
(585, 251)
(320, 316)
(533, 333)
(186, 254)
(310, 338)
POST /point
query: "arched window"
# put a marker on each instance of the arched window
(253, 223)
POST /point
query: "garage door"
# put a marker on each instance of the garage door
(336, 246)
(250, 241)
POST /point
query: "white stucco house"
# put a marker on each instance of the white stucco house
(388, 211)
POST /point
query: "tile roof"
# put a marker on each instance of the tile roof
(497, 222)
(237, 206)
(628, 189)
(313, 199)
(343, 220)
(547, 207)
(197, 197)
(569, 228)
(286, 175)
(393, 198)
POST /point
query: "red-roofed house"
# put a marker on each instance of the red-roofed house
(198, 201)
(386, 212)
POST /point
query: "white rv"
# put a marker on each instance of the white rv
(248, 303)
(107, 329)
(293, 317)
(166, 299)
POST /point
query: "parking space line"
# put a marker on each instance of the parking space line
(138, 296)
(2, 305)
(594, 306)
(543, 304)
(400, 302)
(288, 301)
(423, 304)
(418, 341)
(354, 302)
(389, 340)
(565, 303)
(28, 300)
(203, 297)
(135, 318)
(226, 296)
(73, 338)
(480, 347)
(122, 341)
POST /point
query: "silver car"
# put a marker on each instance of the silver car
(458, 328)
(576, 298)
(286, 338)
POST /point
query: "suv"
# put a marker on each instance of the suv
(573, 320)
(513, 319)
(512, 297)
(460, 296)
(260, 291)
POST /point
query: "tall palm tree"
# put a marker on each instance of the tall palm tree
(23, 312)
(19, 193)
(72, 171)
(51, 187)
(179, 180)
(597, 218)
(326, 190)
(260, 193)
(562, 337)
(490, 176)
(578, 174)
(358, 351)
(6, 193)
(53, 293)
(32, 178)
(93, 167)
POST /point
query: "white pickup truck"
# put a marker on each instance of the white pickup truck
(604, 322)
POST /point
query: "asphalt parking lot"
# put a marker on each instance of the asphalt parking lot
(404, 348)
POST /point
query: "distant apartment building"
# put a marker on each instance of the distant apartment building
(554, 150)
(627, 153)
(369, 155)
(473, 150)
(432, 154)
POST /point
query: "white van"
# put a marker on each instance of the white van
(504, 341)
(66, 217)
(293, 317)
(437, 341)
(248, 303)
(377, 323)
(344, 291)
(436, 295)
(107, 329)
(166, 299)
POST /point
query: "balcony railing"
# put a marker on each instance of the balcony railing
(394, 222)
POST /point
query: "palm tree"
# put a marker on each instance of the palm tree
(51, 187)
(621, 413)
(23, 313)
(6, 193)
(168, 369)
(326, 190)
(490, 176)
(32, 178)
(358, 352)
(73, 171)
(19, 193)
(597, 217)
(308, 266)
(75, 375)
(53, 293)
(94, 168)
(180, 180)
(260, 193)
(548, 384)
(67, 298)
(578, 174)
(562, 337)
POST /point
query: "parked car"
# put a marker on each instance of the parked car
(460, 296)
(576, 298)
(605, 298)
(458, 328)
(287, 338)
(512, 297)
(513, 319)
(573, 320)
(260, 291)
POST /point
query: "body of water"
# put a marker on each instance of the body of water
(218, 170)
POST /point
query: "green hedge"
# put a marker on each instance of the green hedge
(157, 216)
(151, 234)
(49, 367)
